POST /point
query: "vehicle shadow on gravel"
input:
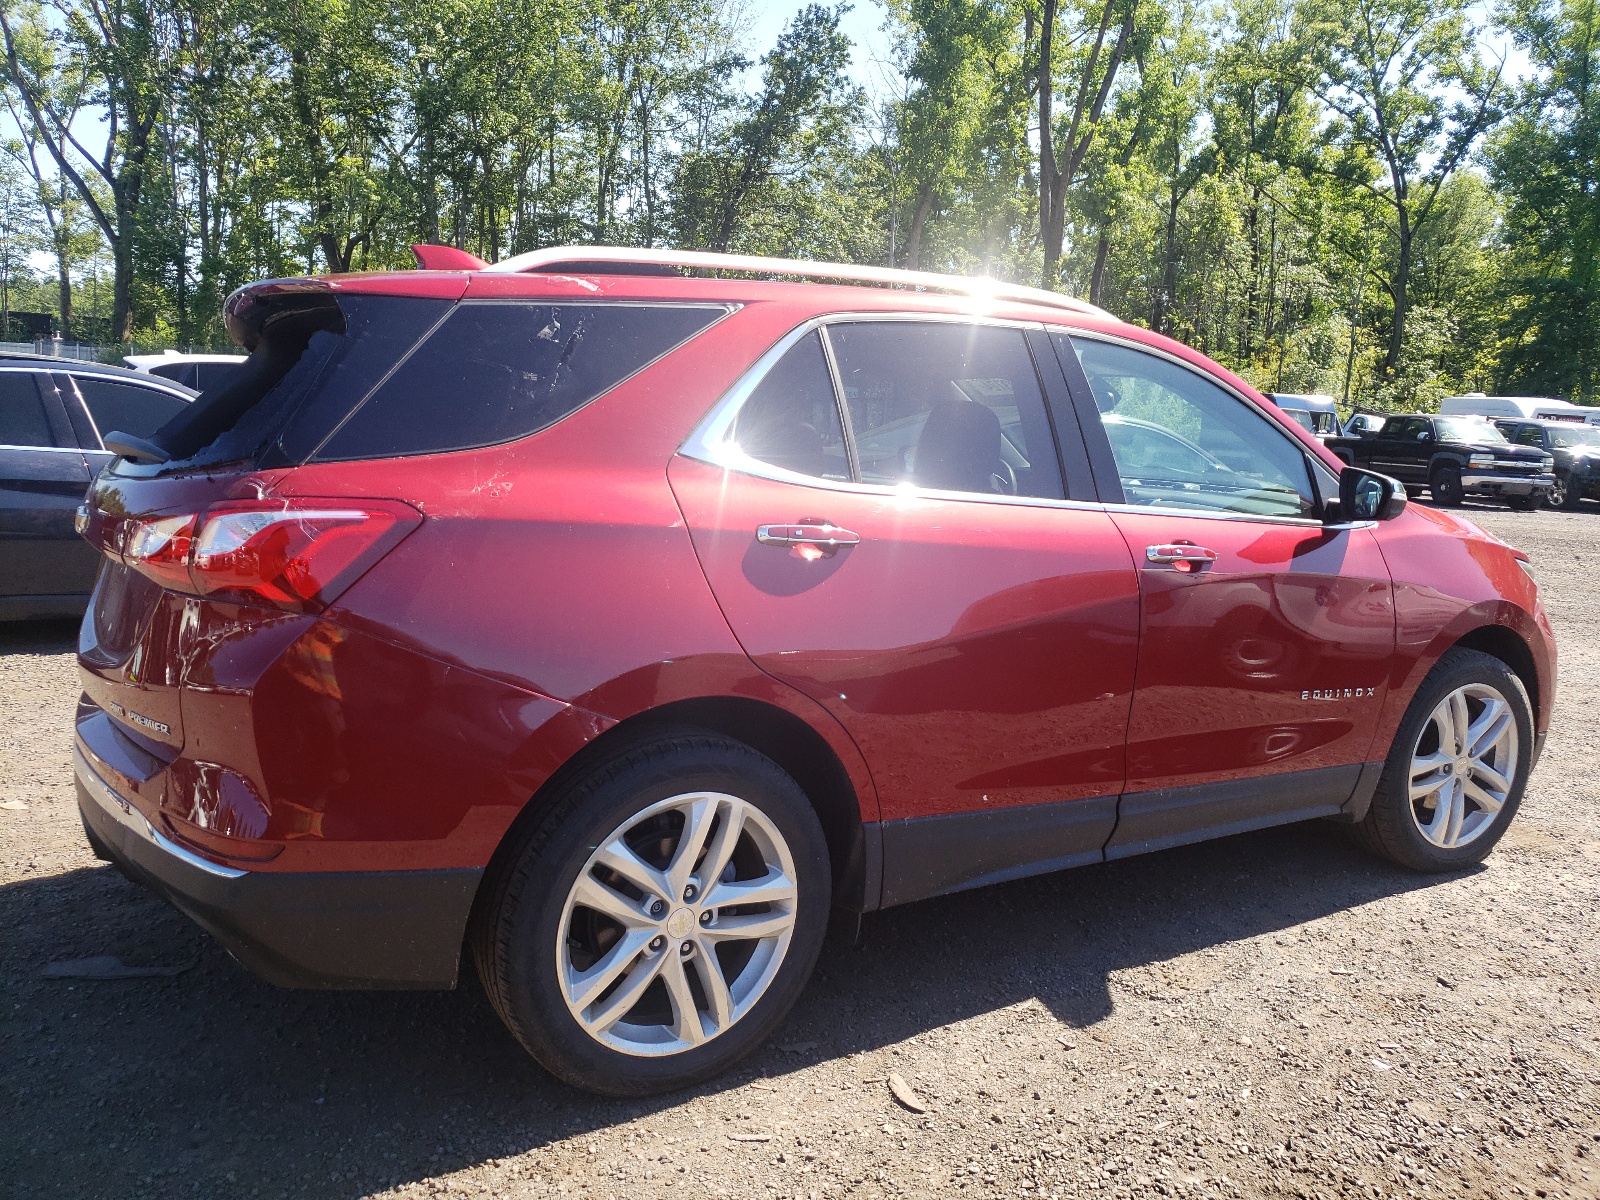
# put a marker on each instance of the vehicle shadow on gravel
(212, 1082)
(42, 639)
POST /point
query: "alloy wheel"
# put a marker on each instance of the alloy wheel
(1463, 765)
(677, 924)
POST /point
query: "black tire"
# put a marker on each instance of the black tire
(1445, 484)
(1390, 829)
(1522, 503)
(515, 927)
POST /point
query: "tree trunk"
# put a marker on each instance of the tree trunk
(64, 288)
(919, 219)
(1097, 277)
(122, 284)
(1252, 294)
(1402, 276)
(1161, 317)
(1050, 229)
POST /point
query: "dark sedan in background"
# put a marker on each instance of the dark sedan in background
(52, 414)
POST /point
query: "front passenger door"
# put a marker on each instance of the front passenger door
(1265, 636)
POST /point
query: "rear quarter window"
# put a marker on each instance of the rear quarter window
(127, 407)
(494, 371)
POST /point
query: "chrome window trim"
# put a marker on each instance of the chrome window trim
(150, 383)
(709, 441)
(46, 449)
(734, 459)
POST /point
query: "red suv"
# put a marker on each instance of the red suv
(619, 615)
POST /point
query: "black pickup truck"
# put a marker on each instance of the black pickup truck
(1453, 457)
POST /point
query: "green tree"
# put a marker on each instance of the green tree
(803, 91)
(1547, 163)
(1407, 96)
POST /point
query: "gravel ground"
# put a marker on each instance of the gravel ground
(1268, 1015)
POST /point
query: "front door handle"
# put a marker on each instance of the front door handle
(809, 538)
(1183, 556)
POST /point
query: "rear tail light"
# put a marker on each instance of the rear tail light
(297, 554)
(160, 549)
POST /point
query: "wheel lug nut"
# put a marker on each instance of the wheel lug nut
(686, 949)
(706, 917)
(658, 909)
(690, 892)
(657, 942)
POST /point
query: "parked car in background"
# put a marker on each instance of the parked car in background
(1535, 408)
(623, 623)
(1364, 424)
(1453, 457)
(1575, 449)
(52, 414)
(197, 372)
(1316, 412)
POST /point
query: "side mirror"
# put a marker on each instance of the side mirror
(1367, 496)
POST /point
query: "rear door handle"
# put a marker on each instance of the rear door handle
(1182, 556)
(809, 537)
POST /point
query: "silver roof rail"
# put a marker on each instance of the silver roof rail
(553, 258)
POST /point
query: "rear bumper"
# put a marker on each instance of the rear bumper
(1508, 485)
(358, 929)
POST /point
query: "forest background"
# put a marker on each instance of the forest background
(1345, 196)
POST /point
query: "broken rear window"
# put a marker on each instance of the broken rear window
(496, 371)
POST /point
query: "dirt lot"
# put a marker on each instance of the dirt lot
(1269, 1015)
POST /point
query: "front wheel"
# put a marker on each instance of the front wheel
(1567, 494)
(1455, 775)
(660, 920)
(1445, 484)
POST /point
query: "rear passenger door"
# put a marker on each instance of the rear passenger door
(43, 478)
(910, 559)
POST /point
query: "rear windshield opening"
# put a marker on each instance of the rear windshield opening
(345, 377)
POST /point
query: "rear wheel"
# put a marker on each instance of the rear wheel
(1445, 484)
(660, 920)
(1455, 775)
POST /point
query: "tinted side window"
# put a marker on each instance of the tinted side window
(1181, 441)
(126, 407)
(1530, 435)
(494, 372)
(186, 373)
(947, 406)
(22, 416)
(791, 420)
